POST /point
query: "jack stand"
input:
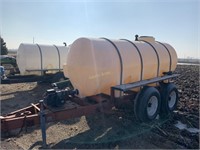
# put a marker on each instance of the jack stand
(42, 124)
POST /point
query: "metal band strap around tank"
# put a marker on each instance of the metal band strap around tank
(170, 57)
(58, 55)
(40, 58)
(141, 60)
(158, 60)
(120, 58)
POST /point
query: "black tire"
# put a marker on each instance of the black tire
(169, 96)
(147, 104)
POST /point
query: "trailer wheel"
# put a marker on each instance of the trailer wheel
(147, 105)
(169, 97)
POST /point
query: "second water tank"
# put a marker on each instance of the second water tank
(33, 58)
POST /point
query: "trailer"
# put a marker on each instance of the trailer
(62, 103)
(85, 94)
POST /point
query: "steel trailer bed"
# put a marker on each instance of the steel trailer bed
(39, 113)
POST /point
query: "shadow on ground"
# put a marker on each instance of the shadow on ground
(114, 131)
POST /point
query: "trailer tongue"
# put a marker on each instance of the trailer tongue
(57, 105)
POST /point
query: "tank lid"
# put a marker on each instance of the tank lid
(146, 38)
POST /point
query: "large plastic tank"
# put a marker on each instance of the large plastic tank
(32, 58)
(94, 65)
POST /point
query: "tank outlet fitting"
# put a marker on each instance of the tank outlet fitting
(146, 38)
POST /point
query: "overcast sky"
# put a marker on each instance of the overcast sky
(54, 22)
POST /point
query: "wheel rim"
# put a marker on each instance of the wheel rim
(152, 106)
(172, 99)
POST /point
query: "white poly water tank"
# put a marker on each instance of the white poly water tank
(32, 58)
(95, 65)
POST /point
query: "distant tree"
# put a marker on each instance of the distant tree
(4, 50)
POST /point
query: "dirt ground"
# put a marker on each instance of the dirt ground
(116, 130)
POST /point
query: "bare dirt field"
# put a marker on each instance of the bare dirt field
(116, 130)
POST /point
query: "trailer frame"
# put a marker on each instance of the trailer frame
(44, 77)
(39, 113)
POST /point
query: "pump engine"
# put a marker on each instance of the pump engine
(57, 97)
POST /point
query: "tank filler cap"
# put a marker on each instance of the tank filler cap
(146, 38)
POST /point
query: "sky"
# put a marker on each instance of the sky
(176, 22)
